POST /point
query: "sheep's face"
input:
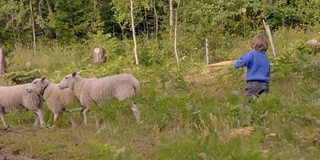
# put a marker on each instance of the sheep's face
(38, 85)
(67, 81)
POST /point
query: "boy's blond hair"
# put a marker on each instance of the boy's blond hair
(259, 42)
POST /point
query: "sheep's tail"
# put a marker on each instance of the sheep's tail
(136, 87)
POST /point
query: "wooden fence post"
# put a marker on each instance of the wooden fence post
(98, 56)
(3, 67)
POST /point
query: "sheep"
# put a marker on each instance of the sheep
(55, 98)
(17, 97)
(91, 91)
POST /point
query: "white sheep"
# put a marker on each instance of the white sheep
(55, 98)
(93, 91)
(17, 97)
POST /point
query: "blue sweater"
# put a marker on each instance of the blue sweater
(258, 65)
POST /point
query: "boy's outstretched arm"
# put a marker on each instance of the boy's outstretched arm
(241, 62)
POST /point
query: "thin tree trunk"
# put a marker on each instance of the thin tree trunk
(49, 8)
(207, 51)
(33, 23)
(176, 35)
(3, 67)
(156, 18)
(171, 12)
(134, 33)
(146, 24)
(40, 7)
(14, 30)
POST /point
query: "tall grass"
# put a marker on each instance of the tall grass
(188, 112)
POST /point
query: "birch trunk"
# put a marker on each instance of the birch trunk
(176, 36)
(134, 33)
(3, 67)
(207, 51)
(49, 8)
(156, 19)
(33, 27)
(146, 28)
(171, 12)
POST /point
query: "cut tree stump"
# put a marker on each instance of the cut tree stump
(98, 56)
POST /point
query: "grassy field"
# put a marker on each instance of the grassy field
(190, 112)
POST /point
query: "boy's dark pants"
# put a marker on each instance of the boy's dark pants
(255, 88)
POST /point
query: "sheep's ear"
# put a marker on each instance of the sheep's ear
(43, 78)
(74, 74)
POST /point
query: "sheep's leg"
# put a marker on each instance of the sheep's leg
(97, 122)
(73, 123)
(3, 119)
(135, 111)
(85, 114)
(55, 118)
(36, 119)
(40, 116)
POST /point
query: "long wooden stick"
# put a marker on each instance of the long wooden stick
(221, 64)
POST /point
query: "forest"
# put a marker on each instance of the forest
(36, 23)
(189, 108)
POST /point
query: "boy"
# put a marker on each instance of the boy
(258, 67)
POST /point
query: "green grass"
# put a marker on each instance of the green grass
(190, 112)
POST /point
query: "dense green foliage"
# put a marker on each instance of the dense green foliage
(61, 22)
(190, 111)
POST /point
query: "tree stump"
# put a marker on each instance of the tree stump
(98, 56)
(3, 67)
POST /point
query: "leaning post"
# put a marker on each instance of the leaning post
(267, 27)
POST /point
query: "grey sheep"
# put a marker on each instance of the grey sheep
(55, 98)
(91, 91)
(17, 97)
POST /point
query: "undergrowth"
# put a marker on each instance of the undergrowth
(188, 112)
